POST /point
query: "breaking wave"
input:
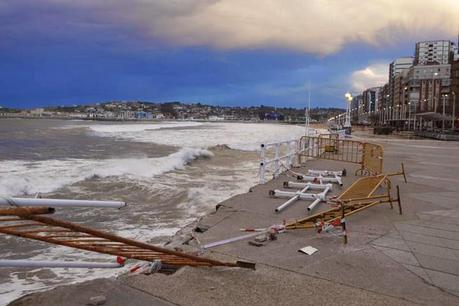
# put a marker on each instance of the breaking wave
(103, 129)
(29, 177)
(238, 136)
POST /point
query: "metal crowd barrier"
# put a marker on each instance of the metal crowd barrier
(368, 155)
(27, 219)
(285, 155)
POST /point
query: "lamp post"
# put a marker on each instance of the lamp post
(443, 117)
(409, 115)
(404, 101)
(453, 119)
(433, 101)
(347, 123)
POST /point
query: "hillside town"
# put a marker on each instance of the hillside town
(420, 94)
(138, 110)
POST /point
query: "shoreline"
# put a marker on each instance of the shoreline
(160, 120)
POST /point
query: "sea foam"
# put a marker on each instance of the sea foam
(19, 177)
(239, 136)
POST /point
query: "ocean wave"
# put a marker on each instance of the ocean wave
(29, 177)
(102, 129)
(238, 136)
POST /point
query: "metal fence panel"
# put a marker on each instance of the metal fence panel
(368, 155)
(332, 149)
(373, 155)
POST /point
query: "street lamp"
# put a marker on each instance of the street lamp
(404, 101)
(434, 101)
(443, 117)
(409, 115)
(453, 122)
(347, 123)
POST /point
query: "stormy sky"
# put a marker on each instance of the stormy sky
(226, 52)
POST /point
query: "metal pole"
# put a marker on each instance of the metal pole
(308, 109)
(453, 120)
(409, 115)
(343, 223)
(443, 118)
(34, 202)
(432, 93)
(6, 263)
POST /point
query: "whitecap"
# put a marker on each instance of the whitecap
(19, 177)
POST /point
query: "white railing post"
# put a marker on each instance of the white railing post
(296, 152)
(293, 151)
(289, 157)
(262, 163)
(276, 160)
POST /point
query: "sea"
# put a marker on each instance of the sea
(169, 172)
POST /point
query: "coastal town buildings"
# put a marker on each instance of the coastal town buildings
(420, 92)
(144, 111)
(396, 68)
(454, 99)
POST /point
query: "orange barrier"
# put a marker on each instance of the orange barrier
(368, 155)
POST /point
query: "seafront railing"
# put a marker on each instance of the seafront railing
(277, 155)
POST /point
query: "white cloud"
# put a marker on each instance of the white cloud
(314, 26)
(371, 76)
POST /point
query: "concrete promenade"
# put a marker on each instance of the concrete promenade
(389, 260)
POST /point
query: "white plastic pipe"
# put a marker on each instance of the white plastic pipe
(302, 185)
(289, 194)
(5, 201)
(338, 179)
(313, 204)
(230, 240)
(324, 172)
(287, 204)
(6, 263)
(323, 179)
(292, 200)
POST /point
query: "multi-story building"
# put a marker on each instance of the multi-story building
(427, 83)
(454, 97)
(400, 64)
(400, 95)
(434, 52)
(370, 99)
(369, 104)
(384, 102)
(396, 68)
(356, 105)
